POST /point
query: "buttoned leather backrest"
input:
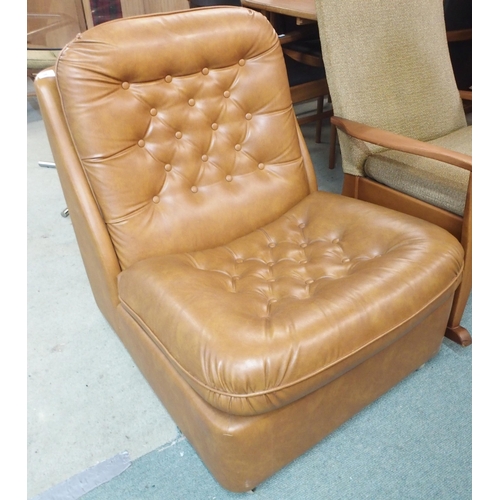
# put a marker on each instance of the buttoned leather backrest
(184, 127)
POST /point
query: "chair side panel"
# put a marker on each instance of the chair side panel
(98, 253)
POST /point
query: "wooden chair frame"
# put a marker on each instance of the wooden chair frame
(369, 190)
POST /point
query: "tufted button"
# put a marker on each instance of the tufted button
(229, 178)
(239, 260)
(271, 280)
(270, 264)
(141, 143)
(178, 135)
(302, 225)
(125, 85)
(237, 147)
(309, 281)
(191, 102)
(168, 167)
(260, 166)
(153, 112)
(272, 245)
(303, 262)
(215, 126)
(248, 116)
(168, 78)
(156, 199)
(227, 93)
(204, 158)
(336, 240)
(205, 71)
(241, 62)
(346, 260)
(303, 245)
(194, 189)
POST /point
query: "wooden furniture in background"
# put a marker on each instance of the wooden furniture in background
(50, 26)
(131, 8)
(53, 24)
(301, 9)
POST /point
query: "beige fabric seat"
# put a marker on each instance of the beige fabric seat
(438, 183)
(39, 59)
(252, 303)
(403, 134)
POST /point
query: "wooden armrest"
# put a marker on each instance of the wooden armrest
(399, 142)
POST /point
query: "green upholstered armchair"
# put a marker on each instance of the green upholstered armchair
(403, 133)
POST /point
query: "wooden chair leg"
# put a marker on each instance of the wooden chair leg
(454, 331)
(333, 147)
(319, 124)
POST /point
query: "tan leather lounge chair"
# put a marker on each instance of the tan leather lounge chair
(403, 133)
(263, 313)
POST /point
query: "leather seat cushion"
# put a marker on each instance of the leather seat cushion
(262, 321)
(432, 181)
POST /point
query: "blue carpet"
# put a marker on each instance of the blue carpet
(414, 443)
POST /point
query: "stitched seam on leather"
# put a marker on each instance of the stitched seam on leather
(281, 387)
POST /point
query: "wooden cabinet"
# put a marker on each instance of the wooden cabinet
(53, 23)
(129, 8)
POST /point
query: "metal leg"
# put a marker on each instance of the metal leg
(46, 164)
(49, 164)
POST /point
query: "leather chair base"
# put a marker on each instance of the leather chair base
(242, 452)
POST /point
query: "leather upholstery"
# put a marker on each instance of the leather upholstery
(253, 303)
(184, 124)
(281, 292)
